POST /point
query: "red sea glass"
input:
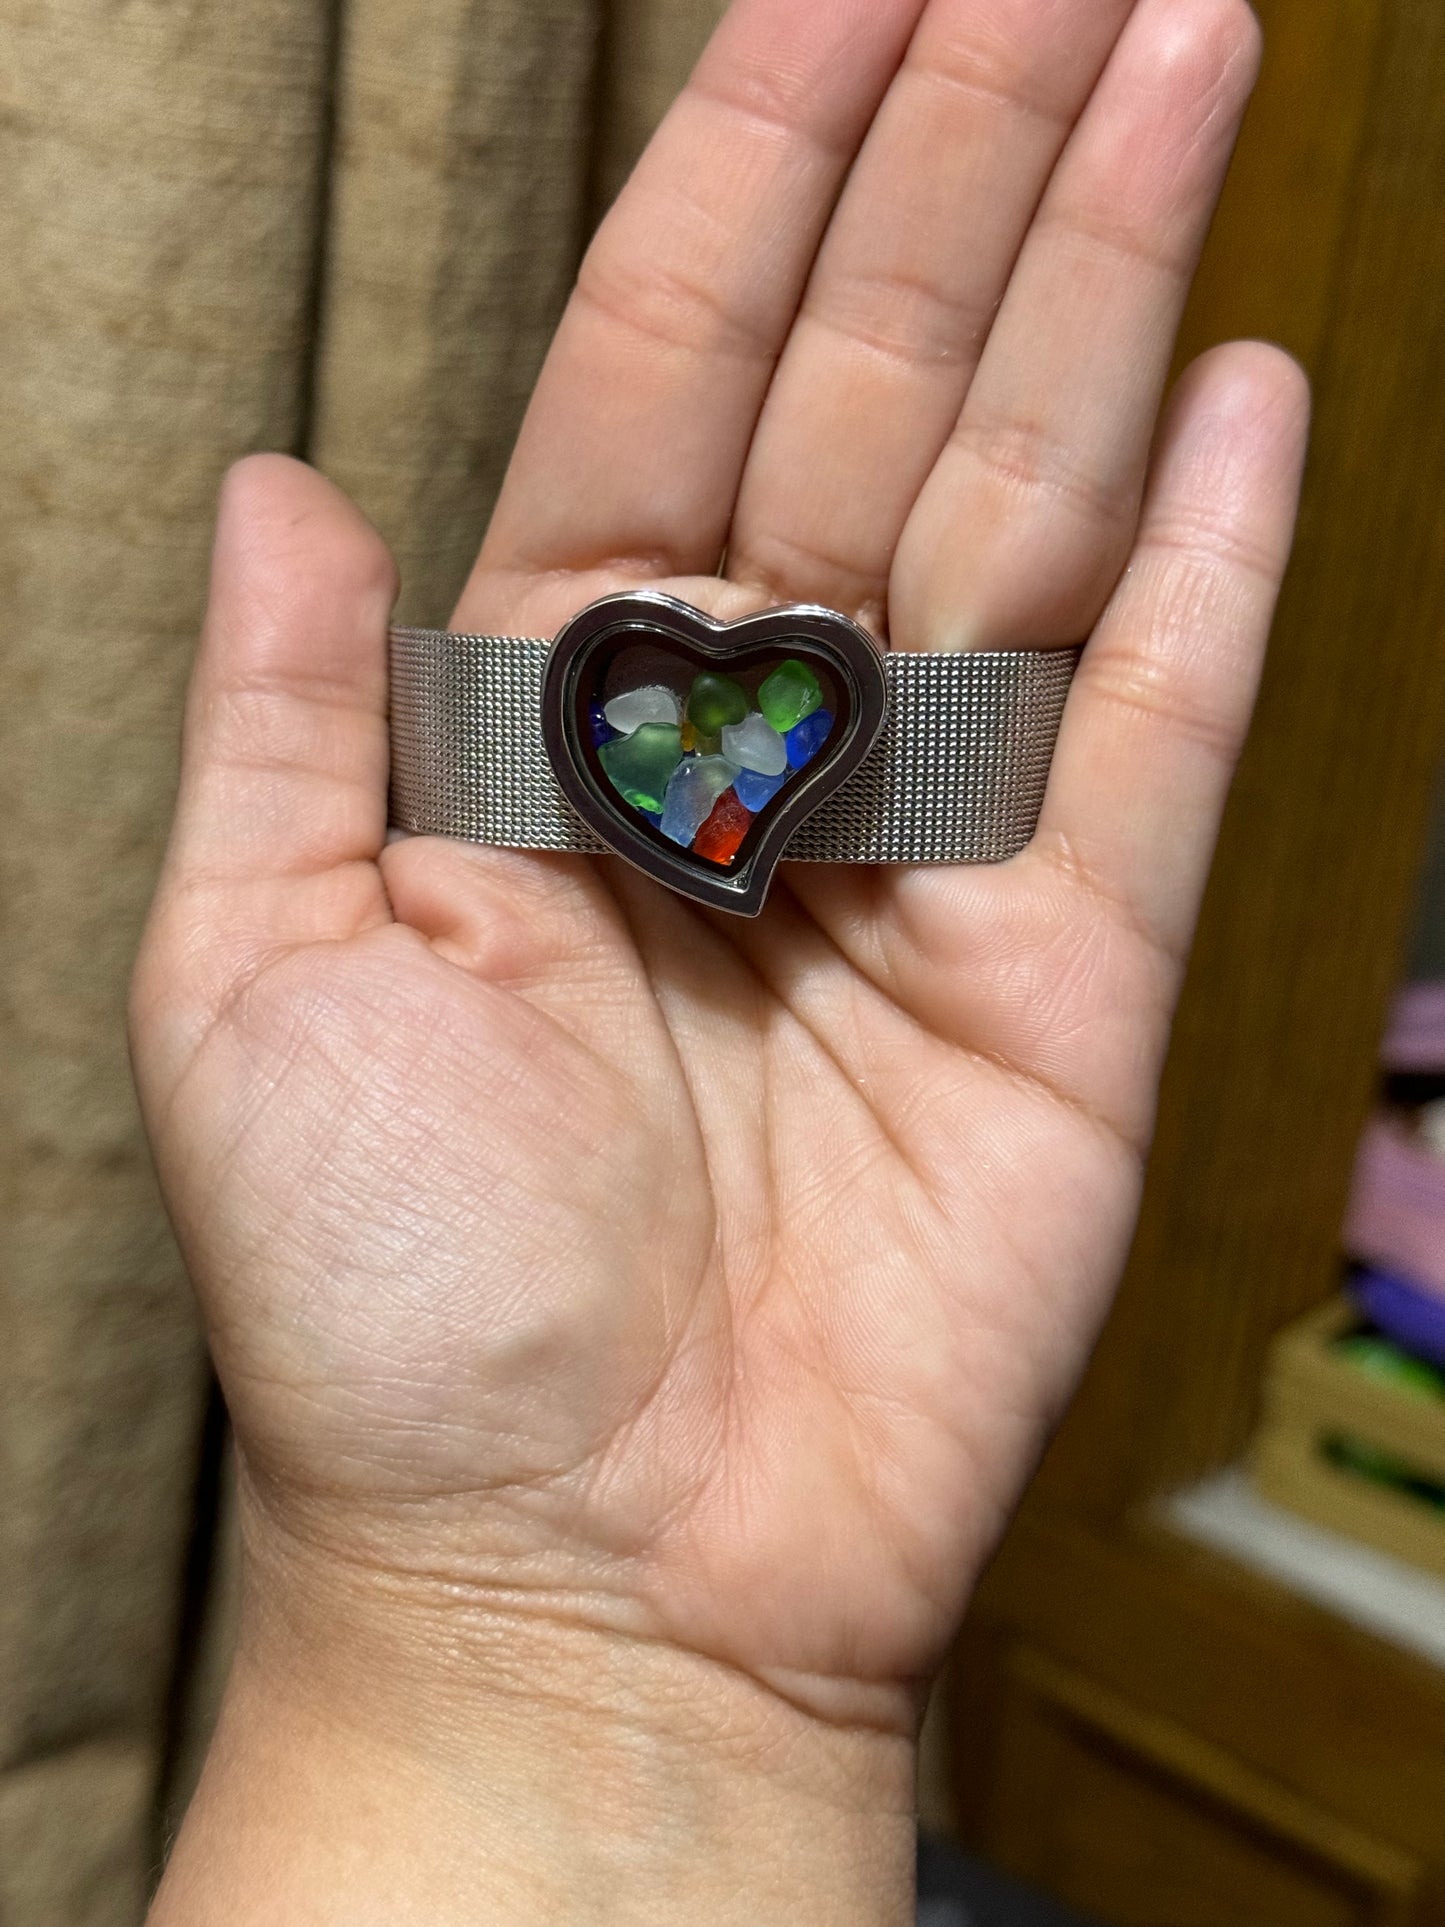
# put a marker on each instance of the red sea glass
(724, 830)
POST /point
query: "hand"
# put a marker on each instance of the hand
(664, 1307)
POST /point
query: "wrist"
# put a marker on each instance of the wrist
(394, 1752)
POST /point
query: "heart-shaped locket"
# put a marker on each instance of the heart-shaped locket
(695, 748)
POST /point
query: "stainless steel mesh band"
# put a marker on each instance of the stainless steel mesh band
(957, 776)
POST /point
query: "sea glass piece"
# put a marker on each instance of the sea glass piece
(715, 701)
(756, 792)
(724, 830)
(806, 738)
(755, 744)
(641, 765)
(602, 730)
(636, 707)
(789, 694)
(696, 784)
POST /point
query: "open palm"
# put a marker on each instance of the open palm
(711, 1280)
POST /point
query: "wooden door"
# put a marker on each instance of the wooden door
(1141, 1726)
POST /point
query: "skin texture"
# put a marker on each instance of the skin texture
(638, 1324)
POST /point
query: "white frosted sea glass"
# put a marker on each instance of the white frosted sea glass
(755, 744)
(634, 707)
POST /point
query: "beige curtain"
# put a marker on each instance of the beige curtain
(340, 227)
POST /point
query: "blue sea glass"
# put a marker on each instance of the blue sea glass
(806, 738)
(756, 792)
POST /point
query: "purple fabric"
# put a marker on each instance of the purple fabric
(1396, 1218)
(1415, 1040)
(1414, 1319)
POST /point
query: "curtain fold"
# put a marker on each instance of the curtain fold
(647, 51)
(340, 227)
(161, 166)
(457, 211)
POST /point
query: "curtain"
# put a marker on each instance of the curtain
(343, 228)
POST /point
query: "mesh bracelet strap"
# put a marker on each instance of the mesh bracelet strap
(957, 775)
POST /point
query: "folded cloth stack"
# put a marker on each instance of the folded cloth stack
(1395, 1229)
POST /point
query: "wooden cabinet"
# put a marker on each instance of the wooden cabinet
(1140, 1818)
(1139, 1725)
(1161, 1738)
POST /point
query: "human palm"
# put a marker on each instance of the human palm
(687, 1276)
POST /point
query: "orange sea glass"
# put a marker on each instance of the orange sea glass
(724, 830)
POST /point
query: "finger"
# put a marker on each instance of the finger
(539, 923)
(284, 758)
(1162, 700)
(634, 442)
(1063, 964)
(1023, 526)
(905, 288)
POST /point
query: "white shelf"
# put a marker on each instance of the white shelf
(1380, 1594)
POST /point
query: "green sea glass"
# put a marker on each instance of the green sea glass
(639, 765)
(789, 694)
(714, 702)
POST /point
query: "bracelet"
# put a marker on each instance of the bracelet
(704, 752)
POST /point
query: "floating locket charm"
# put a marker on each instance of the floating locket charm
(695, 748)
